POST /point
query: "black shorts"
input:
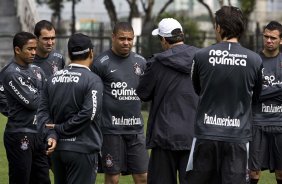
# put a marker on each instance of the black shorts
(124, 154)
(217, 162)
(166, 165)
(265, 149)
(28, 162)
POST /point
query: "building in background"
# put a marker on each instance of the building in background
(15, 16)
(265, 11)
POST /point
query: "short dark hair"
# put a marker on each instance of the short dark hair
(274, 25)
(43, 24)
(21, 38)
(124, 26)
(231, 20)
(178, 36)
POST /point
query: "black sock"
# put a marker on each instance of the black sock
(279, 181)
(254, 181)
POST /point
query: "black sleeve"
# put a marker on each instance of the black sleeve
(87, 114)
(258, 86)
(23, 90)
(63, 63)
(195, 77)
(3, 101)
(44, 117)
(270, 92)
(147, 82)
(98, 68)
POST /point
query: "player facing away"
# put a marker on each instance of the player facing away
(70, 110)
(227, 77)
(167, 84)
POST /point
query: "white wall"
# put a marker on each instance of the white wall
(27, 13)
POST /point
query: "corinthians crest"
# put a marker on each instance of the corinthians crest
(54, 67)
(24, 143)
(37, 74)
(109, 161)
(138, 70)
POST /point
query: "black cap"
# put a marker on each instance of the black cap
(79, 44)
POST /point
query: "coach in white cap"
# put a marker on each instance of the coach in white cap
(167, 83)
(166, 26)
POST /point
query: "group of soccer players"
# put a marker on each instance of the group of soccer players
(215, 112)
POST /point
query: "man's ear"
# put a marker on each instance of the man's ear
(92, 54)
(217, 28)
(17, 50)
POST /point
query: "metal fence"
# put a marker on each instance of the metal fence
(144, 45)
(148, 45)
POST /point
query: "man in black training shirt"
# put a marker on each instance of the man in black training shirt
(70, 108)
(266, 147)
(23, 83)
(46, 57)
(167, 83)
(227, 78)
(122, 124)
(3, 100)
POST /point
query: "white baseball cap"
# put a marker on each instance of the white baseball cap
(166, 26)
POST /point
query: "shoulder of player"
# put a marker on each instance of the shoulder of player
(56, 54)
(33, 66)
(280, 55)
(90, 76)
(103, 58)
(13, 72)
(138, 57)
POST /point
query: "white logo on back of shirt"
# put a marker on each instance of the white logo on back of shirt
(112, 71)
(219, 57)
(220, 121)
(65, 76)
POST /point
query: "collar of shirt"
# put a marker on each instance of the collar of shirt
(79, 65)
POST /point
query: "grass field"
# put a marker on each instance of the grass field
(266, 178)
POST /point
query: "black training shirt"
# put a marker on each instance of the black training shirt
(72, 100)
(268, 112)
(121, 112)
(227, 78)
(22, 86)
